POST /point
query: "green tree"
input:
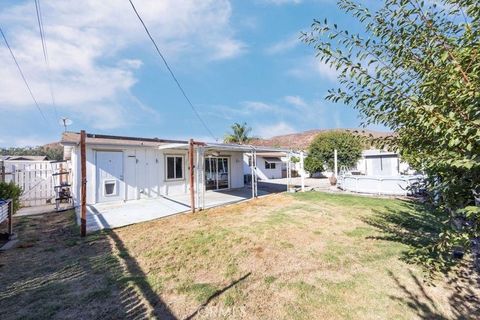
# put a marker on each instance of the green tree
(240, 134)
(415, 68)
(321, 151)
(51, 151)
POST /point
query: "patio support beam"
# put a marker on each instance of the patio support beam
(254, 173)
(192, 174)
(302, 170)
(83, 165)
(288, 169)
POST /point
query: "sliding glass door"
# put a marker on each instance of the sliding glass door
(216, 173)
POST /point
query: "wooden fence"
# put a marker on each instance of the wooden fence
(37, 180)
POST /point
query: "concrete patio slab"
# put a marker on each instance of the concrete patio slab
(118, 214)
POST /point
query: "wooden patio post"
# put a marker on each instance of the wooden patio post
(192, 174)
(2, 171)
(10, 215)
(83, 164)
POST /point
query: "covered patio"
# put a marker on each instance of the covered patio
(118, 214)
(125, 180)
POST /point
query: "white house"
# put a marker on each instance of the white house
(376, 162)
(129, 168)
(269, 165)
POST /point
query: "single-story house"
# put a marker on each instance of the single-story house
(123, 169)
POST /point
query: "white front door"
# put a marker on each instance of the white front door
(110, 185)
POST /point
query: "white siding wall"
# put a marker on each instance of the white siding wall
(236, 171)
(145, 172)
(262, 172)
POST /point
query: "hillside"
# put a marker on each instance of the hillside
(301, 140)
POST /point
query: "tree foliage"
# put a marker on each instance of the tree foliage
(240, 134)
(321, 151)
(52, 152)
(415, 68)
(11, 191)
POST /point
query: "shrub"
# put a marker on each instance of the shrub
(11, 191)
(320, 156)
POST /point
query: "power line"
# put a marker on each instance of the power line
(38, 9)
(171, 72)
(23, 76)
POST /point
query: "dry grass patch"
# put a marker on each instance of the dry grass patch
(304, 256)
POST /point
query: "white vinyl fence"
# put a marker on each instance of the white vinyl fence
(37, 180)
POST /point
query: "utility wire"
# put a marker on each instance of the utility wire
(171, 72)
(38, 9)
(23, 76)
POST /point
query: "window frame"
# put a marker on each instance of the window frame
(268, 165)
(175, 156)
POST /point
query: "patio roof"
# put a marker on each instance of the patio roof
(227, 146)
(73, 138)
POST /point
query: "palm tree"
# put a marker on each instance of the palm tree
(240, 134)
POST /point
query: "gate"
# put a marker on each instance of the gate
(37, 179)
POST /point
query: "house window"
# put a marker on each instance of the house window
(269, 165)
(174, 167)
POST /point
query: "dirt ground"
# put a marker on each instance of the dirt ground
(304, 256)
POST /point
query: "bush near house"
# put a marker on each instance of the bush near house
(320, 153)
(11, 191)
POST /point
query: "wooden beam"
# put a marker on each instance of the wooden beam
(83, 164)
(10, 215)
(192, 174)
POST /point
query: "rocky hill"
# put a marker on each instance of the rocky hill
(301, 140)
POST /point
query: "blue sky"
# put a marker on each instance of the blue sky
(239, 61)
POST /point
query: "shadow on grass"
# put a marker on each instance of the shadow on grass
(464, 302)
(55, 274)
(215, 295)
(417, 226)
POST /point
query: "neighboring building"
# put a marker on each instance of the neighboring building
(381, 163)
(23, 158)
(269, 166)
(129, 168)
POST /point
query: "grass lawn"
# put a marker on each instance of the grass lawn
(303, 256)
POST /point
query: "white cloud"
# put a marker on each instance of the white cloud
(87, 40)
(295, 100)
(310, 67)
(326, 71)
(284, 45)
(268, 131)
(257, 106)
